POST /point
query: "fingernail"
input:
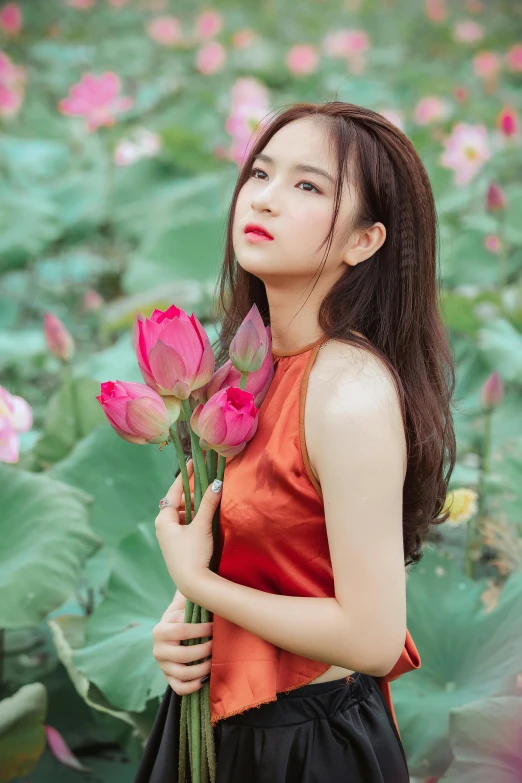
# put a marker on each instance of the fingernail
(187, 459)
(206, 678)
(217, 485)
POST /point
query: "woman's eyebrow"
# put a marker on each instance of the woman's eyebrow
(299, 167)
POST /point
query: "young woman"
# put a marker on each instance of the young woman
(337, 490)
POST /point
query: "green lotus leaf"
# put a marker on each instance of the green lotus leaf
(468, 652)
(117, 656)
(22, 735)
(486, 741)
(45, 540)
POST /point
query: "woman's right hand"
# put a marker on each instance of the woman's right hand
(175, 659)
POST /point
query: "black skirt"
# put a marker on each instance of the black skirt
(330, 731)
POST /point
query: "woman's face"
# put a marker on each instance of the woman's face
(295, 207)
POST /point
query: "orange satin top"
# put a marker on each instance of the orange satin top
(272, 537)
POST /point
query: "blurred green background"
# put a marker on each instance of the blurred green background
(123, 124)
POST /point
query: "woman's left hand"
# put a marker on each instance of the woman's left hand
(186, 549)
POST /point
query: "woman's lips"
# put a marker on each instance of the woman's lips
(252, 236)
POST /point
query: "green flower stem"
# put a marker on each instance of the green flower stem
(474, 522)
(75, 408)
(243, 380)
(197, 451)
(176, 440)
(182, 757)
(212, 457)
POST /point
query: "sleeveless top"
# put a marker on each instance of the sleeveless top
(272, 537)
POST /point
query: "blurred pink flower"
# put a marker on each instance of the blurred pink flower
(92, 300)
(493, 243)
(513, 58)
(486, 64)
(15, 417)
(226, 422)
(11, 19)
(165, 30)
(435, 10)
(393, 115)
(12, 86)
(468, 31)
(250, 90)
(465, 151)
(81, 5)
(208, 23)
(492, 391)
(97, 99)
(60, 749)
(461, 93)
(345, 43)
(141, 144)
(58, 338)
(430, 109)
(302, 59)
(250, 344)
(507, 121)
(137, 413)
(242, 39)
(210, 58)
(495, 198)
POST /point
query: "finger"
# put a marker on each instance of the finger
(184, 688)
(175, 490)
(182, 653)
(179, 631)
(187, 673)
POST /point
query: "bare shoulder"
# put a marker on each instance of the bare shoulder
(350, 381)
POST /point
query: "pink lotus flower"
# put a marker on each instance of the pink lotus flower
(137, 413)
(460, 93)
(11, 19)
(96, 98)
(436, 10)
(142, 143)
(493, 243)
(507, 121)
(60, 749)
(430, 109)
(174, 353)
(487, 64)
(210, 58)
(468, 31)
(495, 199)
(165, 30)
(242, 39)
(302, 59)
(208, 24)
(513, 58)
(226, 422)
(393, 115)
(58, 338)
(345, 43)
(12, 86)
(257, 382)
(492, 391)
(15, 417)
(250, 343)
(92, 300)
(466, 151)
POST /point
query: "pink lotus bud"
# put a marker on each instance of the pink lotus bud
(250, 344)
(507, 121)
(92, 300)
(496, 198)
(492, 391)
(58, 339)
(226, 422)
(62, 751)
(174, 353)
(15, 417)
(138, 413)
(11, 19)
(257, 383)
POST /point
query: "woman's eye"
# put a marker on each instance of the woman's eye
(304, 182)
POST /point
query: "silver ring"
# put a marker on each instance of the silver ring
(165, 503)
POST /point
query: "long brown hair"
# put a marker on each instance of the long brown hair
(392, 299)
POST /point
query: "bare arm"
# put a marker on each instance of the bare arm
(359, 459)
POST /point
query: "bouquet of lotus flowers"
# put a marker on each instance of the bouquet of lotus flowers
(220, 407)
